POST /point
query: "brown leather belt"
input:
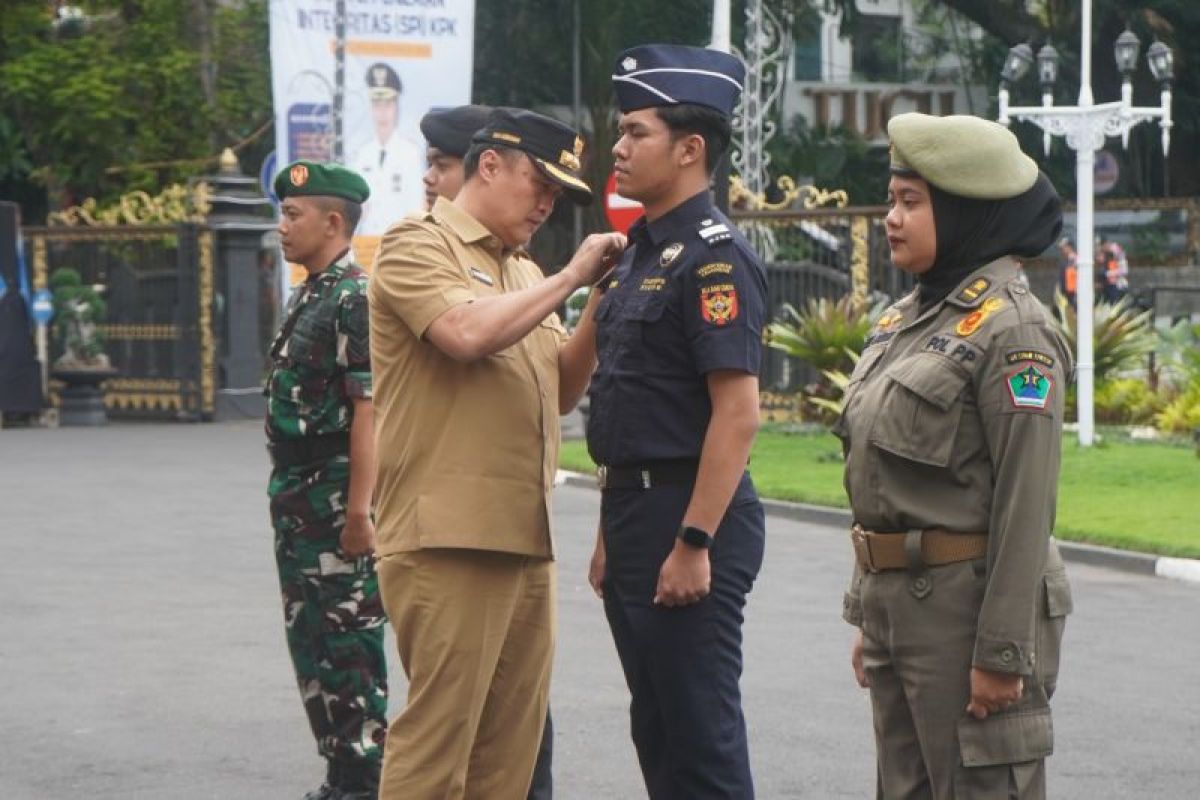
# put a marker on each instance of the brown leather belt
(931, 547)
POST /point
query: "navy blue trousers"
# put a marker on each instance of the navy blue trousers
(682, 664)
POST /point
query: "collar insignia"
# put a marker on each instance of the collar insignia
(972, 291)
(971, 322)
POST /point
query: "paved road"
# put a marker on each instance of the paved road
(142, 652)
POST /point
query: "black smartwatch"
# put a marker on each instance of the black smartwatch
(695, 537)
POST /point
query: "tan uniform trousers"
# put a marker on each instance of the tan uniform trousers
(475, 631)
(918, 643)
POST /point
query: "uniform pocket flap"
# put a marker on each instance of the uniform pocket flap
(1058, 594)
(646, 309)
(930, 378)
(1011, 738)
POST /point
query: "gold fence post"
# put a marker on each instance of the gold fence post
(207, 344)
(860, 261)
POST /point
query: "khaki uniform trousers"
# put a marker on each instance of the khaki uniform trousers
(918, 644)
(475, 631)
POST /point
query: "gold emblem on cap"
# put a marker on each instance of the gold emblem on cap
(629, 63)
(578, 146)
(298, 175)
(379, 76)
(568, 160)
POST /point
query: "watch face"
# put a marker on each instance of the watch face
(695, 537)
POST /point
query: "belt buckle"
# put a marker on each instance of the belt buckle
(862, 548)
(602, 476)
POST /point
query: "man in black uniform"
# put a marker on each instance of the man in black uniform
(674, 411)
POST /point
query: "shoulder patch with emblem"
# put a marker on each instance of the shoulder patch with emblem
(971, 322)
(1017, 356)
(971, 292)
(713, 232)
(719, 304)
(1029, 387)
(669, 254)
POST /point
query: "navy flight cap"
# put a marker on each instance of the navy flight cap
(669, 74)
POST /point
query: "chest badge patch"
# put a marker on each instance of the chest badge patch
(1029, 388)
(971, 322)
(669, 254)
(481, 276)
(719, 304)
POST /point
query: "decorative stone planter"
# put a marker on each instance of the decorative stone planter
(81, 402)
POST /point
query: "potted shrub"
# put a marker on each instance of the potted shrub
(83, 366)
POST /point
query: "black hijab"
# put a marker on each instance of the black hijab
(971, 233)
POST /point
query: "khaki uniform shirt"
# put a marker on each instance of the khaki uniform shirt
(953, 420)
(467, 452)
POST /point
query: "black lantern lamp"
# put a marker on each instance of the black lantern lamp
(1018, 62)
(1125, 51)
(1047, 61)
(1162, 62)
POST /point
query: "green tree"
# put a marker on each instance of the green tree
(1175, 22)
(134, 94)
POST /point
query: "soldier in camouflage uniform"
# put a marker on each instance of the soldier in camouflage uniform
(319, 427)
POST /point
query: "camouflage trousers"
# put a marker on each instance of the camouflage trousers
(334, 619)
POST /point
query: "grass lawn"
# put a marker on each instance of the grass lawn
(1134, 495)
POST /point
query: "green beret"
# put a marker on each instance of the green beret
(961, 155)
(314, 179)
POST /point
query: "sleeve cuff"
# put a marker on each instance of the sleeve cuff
(420, 320)
(852, 609)
(1003, 655)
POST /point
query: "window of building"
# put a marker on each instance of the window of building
(807, 56)
(878, 49)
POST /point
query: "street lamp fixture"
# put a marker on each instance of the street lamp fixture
(1162, 63)
(1086, 126)
(1125, 51)
(1020, 59)
(1047, 59)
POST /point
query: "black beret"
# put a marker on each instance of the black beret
(310, 178)
(450, 129)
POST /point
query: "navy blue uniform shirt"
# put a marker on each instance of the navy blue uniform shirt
(688, 297)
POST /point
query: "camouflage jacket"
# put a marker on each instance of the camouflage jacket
(323, 362)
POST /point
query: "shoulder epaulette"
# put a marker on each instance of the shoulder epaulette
(714, 232)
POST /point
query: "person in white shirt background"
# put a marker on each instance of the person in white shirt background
(391, 163)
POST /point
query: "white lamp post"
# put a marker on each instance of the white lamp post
(1085, 127)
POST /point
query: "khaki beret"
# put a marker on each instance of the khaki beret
(961, 155)
(315, 179)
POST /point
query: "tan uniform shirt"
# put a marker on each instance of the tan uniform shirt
(467, 452)
(953, 420)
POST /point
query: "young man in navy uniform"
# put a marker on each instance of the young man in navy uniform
(674, 411)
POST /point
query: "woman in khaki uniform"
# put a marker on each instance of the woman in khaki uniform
(952, 432)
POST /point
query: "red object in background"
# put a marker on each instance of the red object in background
(621, 211)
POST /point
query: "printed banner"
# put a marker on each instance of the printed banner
(402, 58)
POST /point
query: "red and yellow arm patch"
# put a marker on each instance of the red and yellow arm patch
(719, 304)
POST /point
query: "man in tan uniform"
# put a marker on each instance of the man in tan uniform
(952, 430)
(472, 371)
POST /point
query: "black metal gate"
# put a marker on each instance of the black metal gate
(158, 285)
